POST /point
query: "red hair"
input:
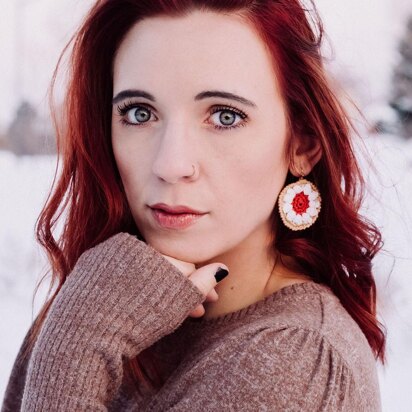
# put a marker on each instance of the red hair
(337, 250)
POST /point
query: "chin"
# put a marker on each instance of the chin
(192, 252)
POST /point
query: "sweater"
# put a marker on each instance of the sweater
(298, 349)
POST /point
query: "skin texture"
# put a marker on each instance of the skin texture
(239, 171)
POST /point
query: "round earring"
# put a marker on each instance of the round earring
(299, 204)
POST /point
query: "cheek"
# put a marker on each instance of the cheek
(129, 164)
(263, 182)
(251, 186)
(261, 171)
(122, 161)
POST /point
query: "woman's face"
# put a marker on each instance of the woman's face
(187, 67)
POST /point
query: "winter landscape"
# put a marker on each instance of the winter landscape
(25, 180)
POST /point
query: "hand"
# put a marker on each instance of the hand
(203, 278)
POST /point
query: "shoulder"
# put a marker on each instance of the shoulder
(316, 312)
(309, 349)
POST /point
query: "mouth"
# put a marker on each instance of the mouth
(179, 220)
(179, 209)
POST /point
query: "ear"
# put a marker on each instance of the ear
(306, 151)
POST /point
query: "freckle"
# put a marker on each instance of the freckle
(232, 287)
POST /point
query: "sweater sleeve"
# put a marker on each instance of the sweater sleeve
(120, 298)
(15, 385)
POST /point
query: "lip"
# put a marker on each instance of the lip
(176, 209)
(175, 221)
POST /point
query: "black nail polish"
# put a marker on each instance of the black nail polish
(221, 274)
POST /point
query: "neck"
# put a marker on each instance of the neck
(256, 271)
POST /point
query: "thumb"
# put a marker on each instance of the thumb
(208, 276)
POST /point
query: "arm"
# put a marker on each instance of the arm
(15, 385)
(120, 298)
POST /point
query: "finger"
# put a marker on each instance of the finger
(212, 296)
(197, 312)
(204, 277)
(200, 309)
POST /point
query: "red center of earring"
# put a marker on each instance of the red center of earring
(300, 203)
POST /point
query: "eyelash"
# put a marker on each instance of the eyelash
(123, 109)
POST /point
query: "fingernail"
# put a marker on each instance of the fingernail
(221, 274)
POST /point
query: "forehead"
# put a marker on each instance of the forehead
(199, 50)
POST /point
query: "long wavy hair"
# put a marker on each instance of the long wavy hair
(336, 251)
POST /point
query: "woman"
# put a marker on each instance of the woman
(202, 137)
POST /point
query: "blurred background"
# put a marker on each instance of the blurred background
(368, 50)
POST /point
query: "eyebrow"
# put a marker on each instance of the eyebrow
(126, 94)
(224, 95)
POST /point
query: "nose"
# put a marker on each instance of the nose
(174, 159)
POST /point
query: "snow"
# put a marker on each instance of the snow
(388, 205)
(362, 36)
(24, 185)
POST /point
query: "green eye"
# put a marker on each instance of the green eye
(138, 115)
(227, 118)
(134, 114)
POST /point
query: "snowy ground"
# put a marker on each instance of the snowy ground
(24, 183)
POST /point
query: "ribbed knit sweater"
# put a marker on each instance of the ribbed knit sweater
(296, 350)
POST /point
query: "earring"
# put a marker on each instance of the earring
(299, 204)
